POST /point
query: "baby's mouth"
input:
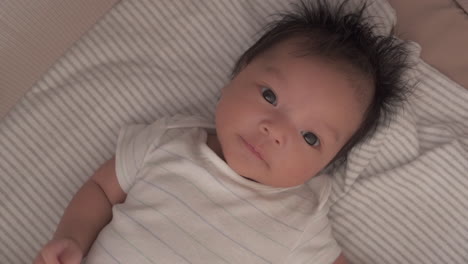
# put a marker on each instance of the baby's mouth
(252, 149)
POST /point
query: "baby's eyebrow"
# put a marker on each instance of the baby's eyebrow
(275, 72)
(331, 130)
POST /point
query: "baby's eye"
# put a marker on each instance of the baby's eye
(269, 95)
(311, 138)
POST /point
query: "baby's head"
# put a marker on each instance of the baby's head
(312, 87)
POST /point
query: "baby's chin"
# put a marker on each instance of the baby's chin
(247, 178)
(274, 184)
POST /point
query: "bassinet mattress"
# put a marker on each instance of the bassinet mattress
(401, 198)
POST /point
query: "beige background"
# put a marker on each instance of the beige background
(441, 28)
(33, 34)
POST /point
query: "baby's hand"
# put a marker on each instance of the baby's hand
(60, 251)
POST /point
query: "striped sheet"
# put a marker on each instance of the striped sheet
(402, 197)
(407, 200)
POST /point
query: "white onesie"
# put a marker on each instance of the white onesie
(186, 205)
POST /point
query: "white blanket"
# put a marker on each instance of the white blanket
(401, 198)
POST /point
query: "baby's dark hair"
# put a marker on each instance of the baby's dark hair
(341, 36)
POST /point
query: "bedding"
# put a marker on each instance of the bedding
(401, 198)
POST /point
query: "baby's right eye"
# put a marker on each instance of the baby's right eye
(269, 95)
(311, 139)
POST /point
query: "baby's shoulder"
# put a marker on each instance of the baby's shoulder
(187, 121)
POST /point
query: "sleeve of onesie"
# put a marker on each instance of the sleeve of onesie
(317, 243)
(133, 145)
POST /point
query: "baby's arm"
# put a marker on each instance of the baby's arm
(340, 260)
(88, 212)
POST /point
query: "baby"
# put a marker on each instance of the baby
(184, 190)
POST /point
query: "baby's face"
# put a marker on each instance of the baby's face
(283, 118)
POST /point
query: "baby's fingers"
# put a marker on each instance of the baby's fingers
(39, 259)
(46, 256)
(71, 255)
(62, 251)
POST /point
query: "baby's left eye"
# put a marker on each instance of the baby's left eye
(269, 95)
(311, 138)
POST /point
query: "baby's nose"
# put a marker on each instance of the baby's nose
(274, 132)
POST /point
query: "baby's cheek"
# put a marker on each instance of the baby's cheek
(299, 169)
(312, 165)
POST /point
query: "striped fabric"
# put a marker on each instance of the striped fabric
(402, 198)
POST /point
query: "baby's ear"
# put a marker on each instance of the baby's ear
(220, 93)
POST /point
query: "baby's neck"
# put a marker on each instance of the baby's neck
(213, 142)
